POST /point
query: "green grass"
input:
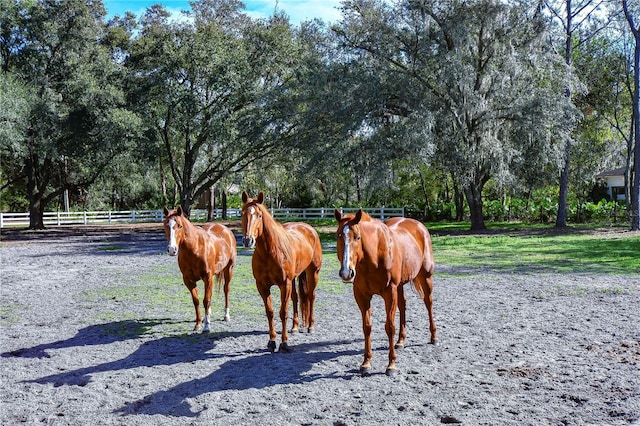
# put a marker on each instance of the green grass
(10, 313)
(546, 253)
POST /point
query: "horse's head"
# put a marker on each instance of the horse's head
(252, 224)
(174, 229)
(349, 243)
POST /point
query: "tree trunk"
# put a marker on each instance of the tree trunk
(458, 200)
(635, 189)
(223, 195)
(473, 194)
(211, 205)
(561, 217)
(36, 209)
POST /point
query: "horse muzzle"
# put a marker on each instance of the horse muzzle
(172, 250)
(249, 242)
(347, 275)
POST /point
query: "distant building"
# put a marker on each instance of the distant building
(614, 180)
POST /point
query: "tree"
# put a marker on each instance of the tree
(483, 70)
(214, 89)
(75, 121)
(577, 20)
(635, 192)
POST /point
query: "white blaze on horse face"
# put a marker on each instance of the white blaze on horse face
(172, 249)
(346, 256)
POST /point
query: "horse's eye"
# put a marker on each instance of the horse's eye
(357, 237)
(260, 216)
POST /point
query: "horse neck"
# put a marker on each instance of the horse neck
(376, 242)
(189, 241)
(274, 238)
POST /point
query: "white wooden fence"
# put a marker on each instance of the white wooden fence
(142, 216)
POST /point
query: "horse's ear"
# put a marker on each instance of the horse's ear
(180, 212)
(337, 214)
(358, 217)
(165, 210)
(260, 197)
(245, 197)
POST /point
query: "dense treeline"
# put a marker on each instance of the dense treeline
(476, 109)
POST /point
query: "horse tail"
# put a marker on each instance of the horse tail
(303, 283)
(217, 280)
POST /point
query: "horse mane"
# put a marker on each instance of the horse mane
(282, 249)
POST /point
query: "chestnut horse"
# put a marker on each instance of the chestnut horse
(203, 253)
(282, 253)
(379, 258)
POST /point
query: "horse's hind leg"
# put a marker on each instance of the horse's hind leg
(193, 289)
(402, 307)
(427, 289)
(294, 298)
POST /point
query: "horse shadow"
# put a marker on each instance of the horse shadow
(98, 334)
(249, 370)
(170, 350)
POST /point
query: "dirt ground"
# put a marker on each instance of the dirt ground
(77, 347)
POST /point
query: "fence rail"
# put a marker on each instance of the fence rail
(198, 215)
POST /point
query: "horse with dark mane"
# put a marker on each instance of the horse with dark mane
(379, 258)
(283, 252)
(204, 253)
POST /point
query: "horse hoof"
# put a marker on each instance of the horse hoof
(391, 372)
(227, 318)
(271, 346)
(365, 371)
(284, 348)
(399, 346)
(434, 342)
(311, 330)
(294, 330)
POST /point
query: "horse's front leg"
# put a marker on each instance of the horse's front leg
(193, 289)
(294, 299)
(265, 293)
(364, 303)
(285, 295)
(228, 273)
(208, 290)
(402, 307)
(391, 305)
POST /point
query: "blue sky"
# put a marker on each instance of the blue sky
(298, 10)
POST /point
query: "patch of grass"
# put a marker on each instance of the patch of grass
(554, 253)
(9, 313)
(110, 248)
